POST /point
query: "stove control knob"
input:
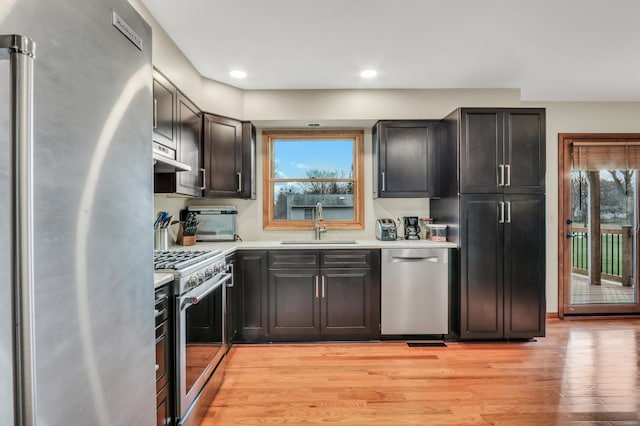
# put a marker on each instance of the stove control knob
(193, 281)
(200, 278)
(208, 273)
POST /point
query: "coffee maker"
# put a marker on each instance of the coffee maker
(411, 228)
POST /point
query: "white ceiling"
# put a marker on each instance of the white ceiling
(553, 50)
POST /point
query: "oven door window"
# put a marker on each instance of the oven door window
(203, 335)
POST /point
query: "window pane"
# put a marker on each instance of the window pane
(295, 201)
(312, 158)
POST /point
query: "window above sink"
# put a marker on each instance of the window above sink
(304, 168)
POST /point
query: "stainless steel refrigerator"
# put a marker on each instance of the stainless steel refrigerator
(76, 278)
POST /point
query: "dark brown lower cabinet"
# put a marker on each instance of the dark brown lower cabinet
(251, 295)
(163, 407)
(347, 309)
(294, 304)
(331, 295)
(502, 266)
(309, 295)
(164, 356)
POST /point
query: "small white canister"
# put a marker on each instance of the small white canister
(438, 233)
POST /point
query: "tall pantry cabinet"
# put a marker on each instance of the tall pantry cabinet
(492, 196)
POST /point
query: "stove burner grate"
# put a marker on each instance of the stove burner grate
(179, 259)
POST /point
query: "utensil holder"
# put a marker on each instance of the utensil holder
(161, 240)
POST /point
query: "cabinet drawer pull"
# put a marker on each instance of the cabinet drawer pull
(316, 286)
(323, 286)
(239, 182)
(384, 182)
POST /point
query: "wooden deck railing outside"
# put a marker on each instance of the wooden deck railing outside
(617, 252)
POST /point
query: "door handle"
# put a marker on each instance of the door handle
(155, 113)
(323, 286)
(571, 234)
(501, 174)
(231, 282)
(501, 212)
(384, 181)
(508, 167)
(508, 203)
(316, 286)
(239, 182)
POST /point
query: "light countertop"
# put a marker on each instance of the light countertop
(161, 278)
(229, 247)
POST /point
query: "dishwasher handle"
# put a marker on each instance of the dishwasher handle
(432, 259)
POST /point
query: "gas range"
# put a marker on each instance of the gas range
(189, 267)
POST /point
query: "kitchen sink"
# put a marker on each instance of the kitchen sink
(323, 242)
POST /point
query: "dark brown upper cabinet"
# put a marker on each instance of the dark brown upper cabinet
(229, 157)
(164, 111)
(502, 150)
(188, 151)
(404, 158)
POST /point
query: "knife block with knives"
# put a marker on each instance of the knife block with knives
(187, 231)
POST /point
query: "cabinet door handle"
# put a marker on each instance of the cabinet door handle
(323, 286)
(384, 181)
(501, 212)
(508, 167)
(204, 179)
(316, 286)
(508, 211)
(239, 182)
(155, 113)
(501, 175)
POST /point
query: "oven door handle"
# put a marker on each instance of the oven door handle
(194, 296)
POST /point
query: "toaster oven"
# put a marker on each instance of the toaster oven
(215, 223)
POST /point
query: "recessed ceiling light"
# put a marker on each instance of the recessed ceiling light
(368, 73)
(238, 74)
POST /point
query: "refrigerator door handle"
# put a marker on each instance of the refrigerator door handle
(20, 51)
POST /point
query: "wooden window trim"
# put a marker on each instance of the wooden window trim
(267, 172)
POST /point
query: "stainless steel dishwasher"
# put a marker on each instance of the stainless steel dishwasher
(415, 291)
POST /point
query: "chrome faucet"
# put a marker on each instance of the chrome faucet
(318, 228)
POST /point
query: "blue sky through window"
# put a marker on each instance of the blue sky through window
(294, 158)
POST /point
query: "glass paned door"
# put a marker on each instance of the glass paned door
(603, 241)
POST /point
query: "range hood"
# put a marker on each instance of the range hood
(162, 164)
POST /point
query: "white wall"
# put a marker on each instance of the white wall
(359, 109)
(208, 95)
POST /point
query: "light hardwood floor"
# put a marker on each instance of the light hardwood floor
(585, 372)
